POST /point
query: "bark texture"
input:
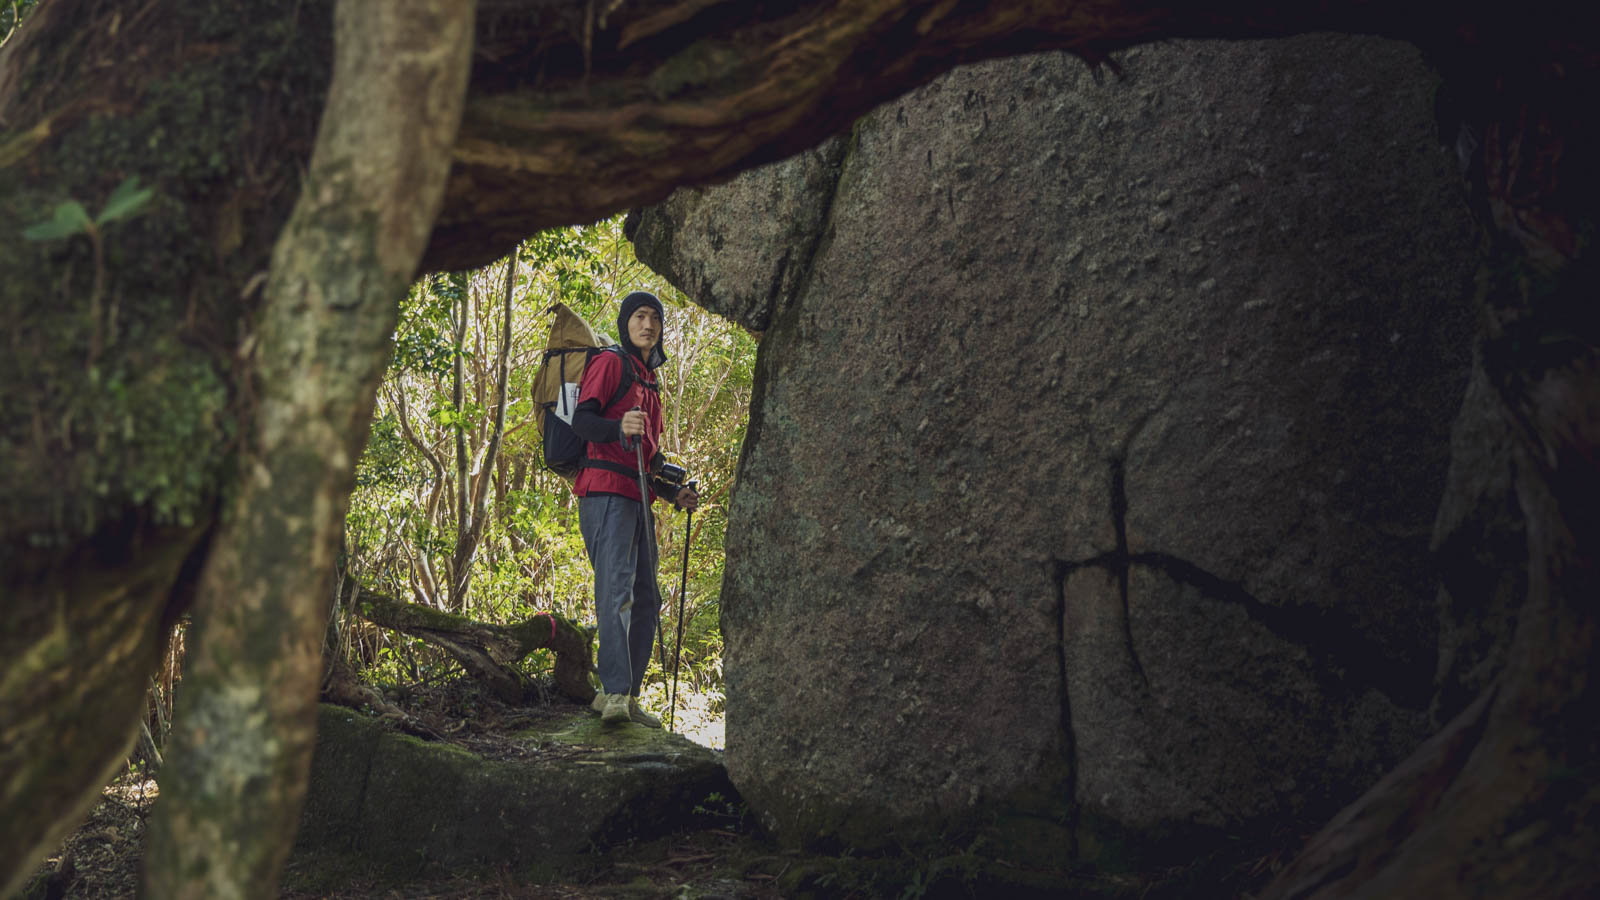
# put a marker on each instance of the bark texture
(658, 94)
(247, 712)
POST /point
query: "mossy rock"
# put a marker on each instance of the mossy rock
(382, 802)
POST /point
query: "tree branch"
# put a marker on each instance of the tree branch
(460, 570)
(744, 83)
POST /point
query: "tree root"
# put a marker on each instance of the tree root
(488, 652)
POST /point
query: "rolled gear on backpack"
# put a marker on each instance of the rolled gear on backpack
(573, 342)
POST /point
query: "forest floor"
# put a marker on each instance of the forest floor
(710, 863)
(721, 857)
(724, 859)
(720, 862)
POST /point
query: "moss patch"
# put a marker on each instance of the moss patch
(588, 731)
(400, 805)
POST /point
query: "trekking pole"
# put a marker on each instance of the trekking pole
(683, 586)
(646, 521)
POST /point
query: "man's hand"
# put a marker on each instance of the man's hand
(633, 423)
(687, 499)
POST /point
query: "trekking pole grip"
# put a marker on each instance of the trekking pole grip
(628, 440)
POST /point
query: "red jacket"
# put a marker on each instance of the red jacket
(600, 380)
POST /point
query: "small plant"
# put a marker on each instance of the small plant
(722, 810)
(70, 218)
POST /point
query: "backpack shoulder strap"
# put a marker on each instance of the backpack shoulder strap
(627, 379)
(634, 366)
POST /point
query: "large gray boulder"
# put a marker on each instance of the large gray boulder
(1096, 447)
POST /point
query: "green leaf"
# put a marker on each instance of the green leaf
(69, 219)
(125, 201)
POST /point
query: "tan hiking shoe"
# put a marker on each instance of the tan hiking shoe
(599, 702)
(639, 716)
(616, 710)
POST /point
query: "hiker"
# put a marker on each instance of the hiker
(617, 534)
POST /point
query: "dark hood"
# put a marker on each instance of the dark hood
(630, 303)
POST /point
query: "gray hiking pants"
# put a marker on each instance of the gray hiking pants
(626, 601)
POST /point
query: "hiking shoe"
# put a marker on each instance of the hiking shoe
(616, 709)
(639, 716)
(599, 703)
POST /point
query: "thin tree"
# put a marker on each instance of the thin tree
(473, 481)
(247, 713)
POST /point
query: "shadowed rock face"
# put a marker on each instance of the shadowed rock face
(574, 786)
(1098, 439)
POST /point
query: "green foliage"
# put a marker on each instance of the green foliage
(719, 811)
(455, 419)
(571, 259)
(156, 421)
(125, 201)
(153, 411)
(422, 341)
(387, 463)
(70, 218)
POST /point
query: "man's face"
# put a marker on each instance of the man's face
(644, 328)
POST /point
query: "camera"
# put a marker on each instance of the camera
(672, 474)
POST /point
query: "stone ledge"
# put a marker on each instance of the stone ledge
(399, 803)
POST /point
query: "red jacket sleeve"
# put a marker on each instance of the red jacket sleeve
(595, 390)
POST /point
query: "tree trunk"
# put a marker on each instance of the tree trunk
(424, 586)
(247, 715)
(463, 481)
(490, 652)
(473, 481)
(486, 466)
